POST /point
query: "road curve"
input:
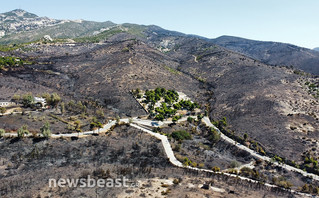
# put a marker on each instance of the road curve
(170, 154)
(138, 123)
(257, 155)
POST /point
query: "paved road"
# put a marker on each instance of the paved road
(170, 154)
(105, 128)
(135, 122)
(152, 123)
(257, 155)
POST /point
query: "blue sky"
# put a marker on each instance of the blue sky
(289, 21)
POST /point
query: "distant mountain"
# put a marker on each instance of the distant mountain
(273, 53)
(20, 20)
(316, 49)
(19, 26)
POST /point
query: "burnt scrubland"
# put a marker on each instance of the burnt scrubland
(27, 165)
(271, 109)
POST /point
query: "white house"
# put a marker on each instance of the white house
(41, 101)
(6, 103)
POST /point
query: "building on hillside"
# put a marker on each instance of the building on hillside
(6, 103)
(41, 102)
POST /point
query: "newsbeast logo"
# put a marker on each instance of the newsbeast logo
(92, 183)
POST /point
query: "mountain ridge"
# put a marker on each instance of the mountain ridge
(15, 28)
(20, 26)
(273, 53)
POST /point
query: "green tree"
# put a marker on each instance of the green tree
(16, 98)
(216, 169)
(223, 122)
(100, 113)
(245, 136)
(45, 130)
(77, 124)
(46, 96)
(118, 119)
(22, 131)
(190, 119)
(176, 118)
(159, 117)
(96, 125)
(214, 136)
(3, 110)
(27, 99)
(181, 135)
(2, 132)
(62, 106)
(54, 100)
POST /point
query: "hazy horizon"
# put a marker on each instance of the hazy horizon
(286, 21)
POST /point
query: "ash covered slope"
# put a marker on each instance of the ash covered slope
(273, 53)
(256, 98)
(106, 72)
(260, 100)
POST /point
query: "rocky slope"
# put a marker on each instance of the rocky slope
(255, 98)
(273, 53)
(20, 20)
(258, 99)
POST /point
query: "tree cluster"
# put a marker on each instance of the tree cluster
(164, 112)
(9, 61)
(181, 135)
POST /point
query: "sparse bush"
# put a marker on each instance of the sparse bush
(176, 181)
(22, 131)
(201, 165)
(62, 106)
(234, 164)
(200, 117)
(193, 164)
(216, 169)
(27, 100)
(176, 118)
(100, 113)
(3, 110)
(96, 125)
(282, 182)
(245, 136)
(214, 136)
(177, 148)
(190, 119)
(45, 130)
(53, 99)
(118, 119)
(181, 135)
(2, 132)
(77, 124)
(166, 192)
(16, 98)
(232, 171)
(186, 161)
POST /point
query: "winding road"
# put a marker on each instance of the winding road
(170, 154)
(144, 126)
